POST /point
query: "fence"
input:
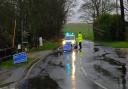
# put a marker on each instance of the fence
(5, 53)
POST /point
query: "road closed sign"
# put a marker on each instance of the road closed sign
(20, 57)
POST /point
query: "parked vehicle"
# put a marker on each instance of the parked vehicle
(69, 41)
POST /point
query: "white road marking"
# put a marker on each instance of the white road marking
(85, 73)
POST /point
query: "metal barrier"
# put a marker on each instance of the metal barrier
(5, 53)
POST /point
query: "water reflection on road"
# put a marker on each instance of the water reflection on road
(73, 75)
(65, 72)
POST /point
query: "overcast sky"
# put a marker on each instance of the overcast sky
(75, 17)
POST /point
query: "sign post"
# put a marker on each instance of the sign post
(40, 41)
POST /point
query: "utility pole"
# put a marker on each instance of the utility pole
(14, 34)
(14, 4)
(21, 22)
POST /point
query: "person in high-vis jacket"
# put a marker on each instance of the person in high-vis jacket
(80, 39)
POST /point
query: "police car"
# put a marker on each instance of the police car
(69, 41)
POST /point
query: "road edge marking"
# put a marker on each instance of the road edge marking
(85, 74)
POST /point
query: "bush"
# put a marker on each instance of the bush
(126, 31)
(108, 27)
(5, 40)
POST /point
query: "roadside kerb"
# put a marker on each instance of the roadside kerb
(27, 69)
(33, 64)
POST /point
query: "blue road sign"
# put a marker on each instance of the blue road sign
(20, 57)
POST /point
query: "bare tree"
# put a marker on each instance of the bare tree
(69, 5)
(126, 9)
(93, 8)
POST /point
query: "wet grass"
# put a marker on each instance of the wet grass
(86, 29)
(46, 46)
(10, 64)
(117, 44)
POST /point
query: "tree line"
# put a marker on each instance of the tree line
(108, 18)
(34, 18)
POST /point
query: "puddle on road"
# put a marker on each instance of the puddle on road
(39, 82)
(96, 49)
(121, 79)
(104, 72)
(60, 64)
(110, 61)
(101, 70)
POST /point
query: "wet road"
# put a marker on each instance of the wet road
(62, 72)
(70, 75)
(75, 70)
(75, 78)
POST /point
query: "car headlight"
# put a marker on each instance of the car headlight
(73, 42)
(64, 42)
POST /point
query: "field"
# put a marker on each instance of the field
(87, 32)
(86, 29)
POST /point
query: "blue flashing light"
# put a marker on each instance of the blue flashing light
(69, 34)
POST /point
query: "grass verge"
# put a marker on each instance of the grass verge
(115, 44)
(9, 63)
(46, 46)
